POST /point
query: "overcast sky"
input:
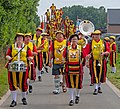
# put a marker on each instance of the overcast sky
(45, 4)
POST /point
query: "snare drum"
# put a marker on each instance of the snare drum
(17, 66)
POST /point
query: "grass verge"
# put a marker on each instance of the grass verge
(115, 78)
(3, 82)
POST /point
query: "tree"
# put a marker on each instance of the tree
(17, 16)
(95, 15)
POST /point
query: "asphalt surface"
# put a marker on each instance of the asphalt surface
(43, 98)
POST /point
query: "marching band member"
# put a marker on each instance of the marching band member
(45, 50)
(57, 14)
(61, 12)
(52, 32)
(31, 64)
(59, 23)
(56, 52)
(58, 19)
(97, 50)
(38, 59)
(48, 26)
(74, 69)
(66, 23)
(83, 42)
(53, 8)
(71, 28)
(16, 53)
(113, 54)
(48, 15)
(107, 40)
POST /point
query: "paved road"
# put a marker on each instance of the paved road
(43, 98)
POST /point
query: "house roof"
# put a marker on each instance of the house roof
(113, 16)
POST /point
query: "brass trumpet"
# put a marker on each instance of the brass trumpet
(86, 28)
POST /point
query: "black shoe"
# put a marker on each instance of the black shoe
(39, 78)
(30, 89)
(61, 83)
(24, 101)
(91, 84)
(46, 70)
(42, 72)
(14, 103)
(95, 92)
(99, 90)
(77, 100)
(71, 103)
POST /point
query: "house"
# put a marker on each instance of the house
(113, 21)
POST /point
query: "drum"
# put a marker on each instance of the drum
(17, 66)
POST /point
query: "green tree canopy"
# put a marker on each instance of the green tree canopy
(95, 15)
(17, 16)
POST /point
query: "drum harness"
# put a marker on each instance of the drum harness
(6, 66)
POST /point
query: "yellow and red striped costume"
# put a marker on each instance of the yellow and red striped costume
(32, 70)
(38, 59)
(45, 50)
(74, 69)
(113, 54)
(18, 79)
(98, 64)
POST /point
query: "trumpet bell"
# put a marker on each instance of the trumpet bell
(86, 27)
